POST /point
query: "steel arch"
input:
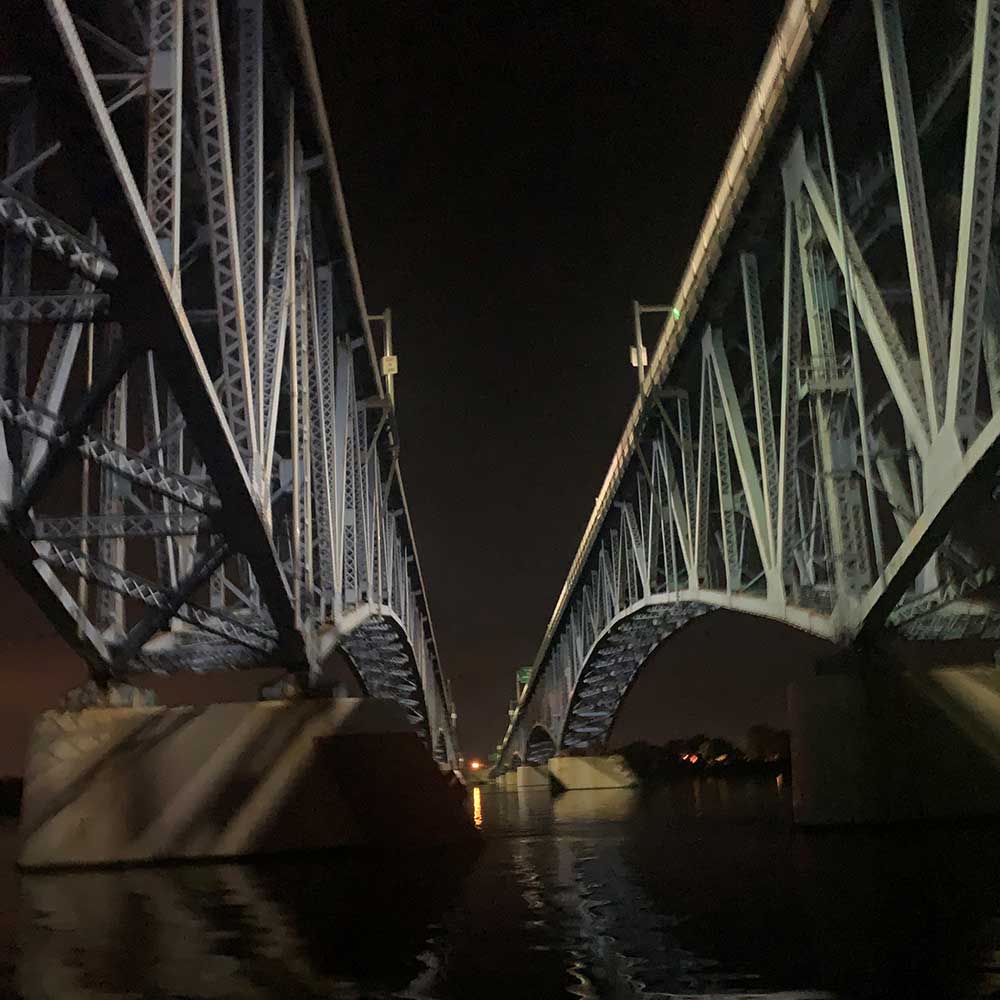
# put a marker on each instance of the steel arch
(199, 465)
(539, 745)
(818, 418)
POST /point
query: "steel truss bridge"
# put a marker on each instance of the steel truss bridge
(199, 460)
(815, 435)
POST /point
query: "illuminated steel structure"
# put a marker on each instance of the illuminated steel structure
(822, 407)
(199, 465)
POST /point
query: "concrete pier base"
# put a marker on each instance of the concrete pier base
(532, 776)
(895, 747)
(135, 785)
(507, 782)
(591, 772)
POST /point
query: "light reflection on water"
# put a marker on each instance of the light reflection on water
(477, 806)
(699, 889)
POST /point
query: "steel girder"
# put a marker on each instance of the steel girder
(839, 508)
(204, 474)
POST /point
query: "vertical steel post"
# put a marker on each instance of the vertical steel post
(859, 394)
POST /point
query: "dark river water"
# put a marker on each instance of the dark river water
(700, 889)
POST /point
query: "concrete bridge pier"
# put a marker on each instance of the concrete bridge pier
(133, 785)
(533, 776)
(574, 773)
(881, 745)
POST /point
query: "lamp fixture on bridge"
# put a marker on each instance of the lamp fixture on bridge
(637, 353)
(390, 362)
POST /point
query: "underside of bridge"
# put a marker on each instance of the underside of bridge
(539, 746)
(613, 664)
(199, 464)
(814, 439)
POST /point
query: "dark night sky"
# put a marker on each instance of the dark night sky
(515, 174)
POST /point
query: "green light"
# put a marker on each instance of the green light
(676, 312)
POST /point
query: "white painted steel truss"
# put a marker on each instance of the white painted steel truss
(198, 465)
(823, 449)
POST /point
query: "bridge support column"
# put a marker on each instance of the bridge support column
(134, 785)
(888, 746)
(533, 776)
(591, 772)
(507, 782)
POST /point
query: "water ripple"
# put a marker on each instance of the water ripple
(614, 897)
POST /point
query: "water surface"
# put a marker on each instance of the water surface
(698, 889)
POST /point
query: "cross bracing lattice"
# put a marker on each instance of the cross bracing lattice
(192, 473)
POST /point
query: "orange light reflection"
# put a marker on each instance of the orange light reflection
(477, 807)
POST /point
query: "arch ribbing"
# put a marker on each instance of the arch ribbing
(539, 746)
(806, 446)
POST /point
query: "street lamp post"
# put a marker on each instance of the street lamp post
(390, 363)
(639, 359)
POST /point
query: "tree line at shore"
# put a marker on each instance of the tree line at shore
(767, 750)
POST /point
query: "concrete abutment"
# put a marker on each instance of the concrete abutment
(142, 784)
(891, 746)
(591, 772)
(533, 776)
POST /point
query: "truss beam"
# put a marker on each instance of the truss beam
(863, 521)
(247, 465)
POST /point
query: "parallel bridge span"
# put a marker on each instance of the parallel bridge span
(199, 465)
(815, 437)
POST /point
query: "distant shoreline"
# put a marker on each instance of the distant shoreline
(737, 769)
(653, 764)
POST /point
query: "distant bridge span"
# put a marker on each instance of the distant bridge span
(815, 434)
(199, 460)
